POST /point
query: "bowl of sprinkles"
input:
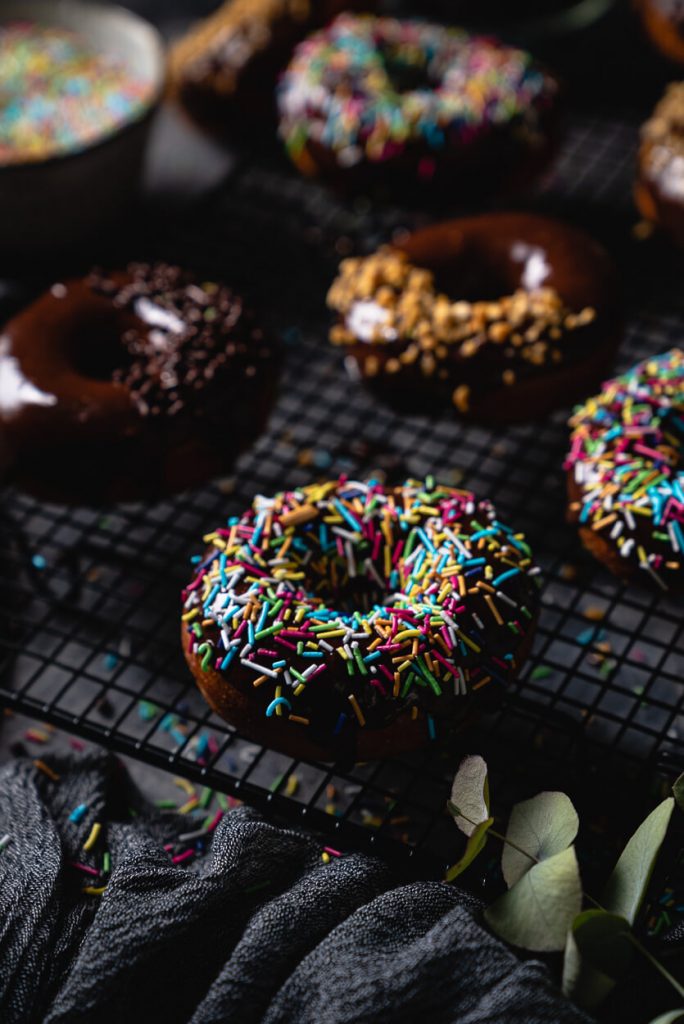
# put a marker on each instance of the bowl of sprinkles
(79, 85)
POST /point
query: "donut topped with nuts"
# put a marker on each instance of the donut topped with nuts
(405, 332)
(349, 609)
(660, 183)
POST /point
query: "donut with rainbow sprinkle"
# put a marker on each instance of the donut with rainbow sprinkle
(626, 472)
(351, 620)
(380, 101)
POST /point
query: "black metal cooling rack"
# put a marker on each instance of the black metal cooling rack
(89, 598)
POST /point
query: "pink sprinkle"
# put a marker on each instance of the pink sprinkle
(443, 661)
(333, 853)
(426, 168)
(180, 857)
(215, 820)
(285, 643)
(83, 867)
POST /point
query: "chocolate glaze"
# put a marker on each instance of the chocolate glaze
(234, 701)
(489, 256)
(129, 386)
(496, 164)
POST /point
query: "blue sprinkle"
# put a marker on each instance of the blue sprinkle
(274, 704)
(78, 813)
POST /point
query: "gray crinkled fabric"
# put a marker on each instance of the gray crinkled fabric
(257, 929)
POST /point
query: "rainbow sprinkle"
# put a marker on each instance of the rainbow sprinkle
(57, 95)
(344, 604)
(368, 88)
(626, 459)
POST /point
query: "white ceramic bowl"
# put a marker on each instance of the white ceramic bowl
(59, 202)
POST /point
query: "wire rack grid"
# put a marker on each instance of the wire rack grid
(89, 598)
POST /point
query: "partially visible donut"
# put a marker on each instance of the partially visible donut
(503, 317)
(659, 189)
(224, 70)
(626, 472)
(131, 385)
(348, 620)
(373, 101)
(664, 23)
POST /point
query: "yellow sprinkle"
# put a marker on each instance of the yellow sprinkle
(192, 614)
(189, 805)
(184, 785)
(467, 641)
(325, 857)
(292, 785)
(92, 838)
(357, 710)
(405, 634)
(94, 890)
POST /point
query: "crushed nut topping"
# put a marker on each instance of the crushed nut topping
(665, 127)
(383, 298)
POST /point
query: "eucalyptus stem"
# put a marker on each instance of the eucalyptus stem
(679, 989)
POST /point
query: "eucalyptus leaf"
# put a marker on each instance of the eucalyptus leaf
(537, 912)
(603, 940)
(470, 794)
(671, 1017)
(541, 827)
(582, 983)
(678, 790)
(626, 886)
(476, 843)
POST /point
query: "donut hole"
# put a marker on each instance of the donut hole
(98, 350)
(405, 76)
(471, 280)
(358, 594)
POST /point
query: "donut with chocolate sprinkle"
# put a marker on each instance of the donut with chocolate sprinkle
(376, 101)
(626, 472)
(131, 385)
(352, 620)
(500, 317)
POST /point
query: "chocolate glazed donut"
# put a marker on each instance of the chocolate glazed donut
(351, 620)
(224, 71)
(505, 316)
(131, 386)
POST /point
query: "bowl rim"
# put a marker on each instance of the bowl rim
(145, 114)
